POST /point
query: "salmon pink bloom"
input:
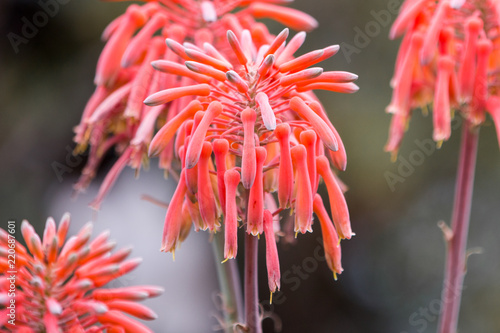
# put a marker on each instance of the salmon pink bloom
(331, 240)
(115, 116)
(257, 113)
(58, 283)
(272, 261)
(449, 57)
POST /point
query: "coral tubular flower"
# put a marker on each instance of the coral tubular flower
(115, 116)
(272, 260)
(58, 283)
(231, 180)
(205, 195)
(303, 203)
(331, 240)
(261, 120)
(285, 185)
(173, 219)
(340, 212)
(256, 196)
(449, 57)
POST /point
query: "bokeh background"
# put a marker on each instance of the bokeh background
(394, 265)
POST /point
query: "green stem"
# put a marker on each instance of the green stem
(229, 283)
(252, 316)
(457, 245)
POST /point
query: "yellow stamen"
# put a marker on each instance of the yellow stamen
(335, 276)
(271, 299)
(223, 261)
(407, 124)
(425, 110)
(394, 156)
(439, 144)
(82, 147)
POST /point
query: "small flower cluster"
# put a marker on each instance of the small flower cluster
(115, 115)
(235, 109)
(450, 57)
(59, 283)
(256, 115)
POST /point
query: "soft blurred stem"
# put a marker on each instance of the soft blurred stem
(456, 257)
(229, 283)
(252, 317)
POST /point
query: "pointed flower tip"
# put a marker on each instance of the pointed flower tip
(25, 224)
(290, 17)
(66, 217)
(153, 100)
(208, 11)
(235, 79)
(266, 111)
(155, 291)
(100, 308)
(196, 144)
(168, 95)
(54, 307)
(456, 4)
(332, 49)
(324, 132)
(230, 35)
(156, 64)
(136, 261)
(353, 87)
(50, 222)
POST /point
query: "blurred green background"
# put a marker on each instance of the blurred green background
(394, 265)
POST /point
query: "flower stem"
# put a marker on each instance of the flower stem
(252, 316)
(229, 283)
(456, 256)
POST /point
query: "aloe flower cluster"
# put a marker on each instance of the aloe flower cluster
(255, 128)
(449, 57)
(59, 283)
(115, 116)
(235, 112)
